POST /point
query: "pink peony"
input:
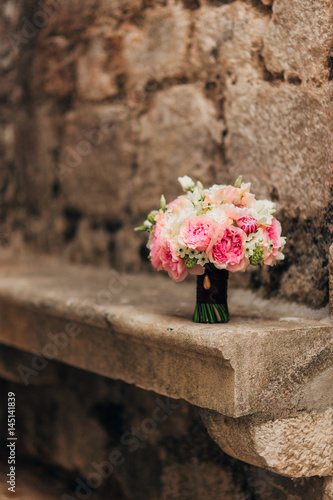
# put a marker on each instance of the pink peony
(247, 223)
(272, 233)
(197, 270)
(197, 233)
(156, 242)
(155, 252)
(227, 252)
(171, 262)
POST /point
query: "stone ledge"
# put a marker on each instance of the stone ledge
(138, 329)
(297, 446)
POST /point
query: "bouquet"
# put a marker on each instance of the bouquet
(209, 232)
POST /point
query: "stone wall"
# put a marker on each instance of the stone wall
(104, 104)
(159, 448)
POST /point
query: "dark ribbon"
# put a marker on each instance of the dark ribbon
(217, 293)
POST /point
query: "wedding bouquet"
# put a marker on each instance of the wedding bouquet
(206, 230)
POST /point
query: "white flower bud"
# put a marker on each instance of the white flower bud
(186, 183)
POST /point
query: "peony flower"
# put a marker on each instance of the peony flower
(171, 262)
(223, 225)
(240, 197)
(273, 242)
(197, 232)
(227, 250)
(155, 245)
(197, 270)
(186, 183)
(179, 204)
(247, 223)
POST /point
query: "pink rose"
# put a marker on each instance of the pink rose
(171, 262)
(247, 223)
(272, 233)
(228, 252)
(197, 233)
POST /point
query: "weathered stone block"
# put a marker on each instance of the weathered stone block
(99, 66)
(96, 160)
(279, 139)
(9, 43)
(180, 134)
(158, 49)
(90, 245)
(53, 69)
(297, 446)
(68, 18)
(331, 279)
(227, 40)
(299, 39)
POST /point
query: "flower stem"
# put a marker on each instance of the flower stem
(211, 313)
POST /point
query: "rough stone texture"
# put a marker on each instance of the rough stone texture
(331, 280)
(228, 37)
(261, 132)
(184, 463)
(209, 89)
(97, 67)
(299, 446)
(103, 177)
(295, 447)
(289, 171)
(309, 25)
(157, 49)
(179, 117)
(328, 489)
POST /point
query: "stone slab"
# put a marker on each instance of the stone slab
(269, 358)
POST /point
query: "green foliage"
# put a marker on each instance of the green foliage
(190, 263)
(257, 257)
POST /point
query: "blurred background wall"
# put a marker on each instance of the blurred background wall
(104, 103)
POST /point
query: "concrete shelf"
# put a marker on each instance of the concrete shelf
(272, 362)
